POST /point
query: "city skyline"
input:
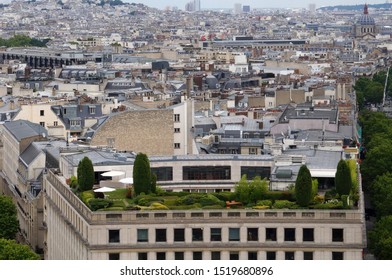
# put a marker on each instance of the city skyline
(254, 3)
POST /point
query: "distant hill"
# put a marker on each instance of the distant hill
(384, 6)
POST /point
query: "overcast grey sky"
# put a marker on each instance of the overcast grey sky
(253, 3)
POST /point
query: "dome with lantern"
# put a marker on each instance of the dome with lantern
(366, 19)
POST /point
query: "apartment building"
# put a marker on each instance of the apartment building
(75, 232)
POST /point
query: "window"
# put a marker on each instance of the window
(42, 112)
(55, 123)
(289, 234)
(337, 235)
(215, 255)
(178, 255)
(163, 173)
(271, 255)
(197, 234)
(74, 122)
(308, 234)
(253, 234)
(176, 117)
(251, 172)
(179, 235)
(234, 234)
(337, 256)
(270, 234)
(142, 235)
(177, 145)
(160, 235)
(206, 173)
(65, 111)
(42, 124)
(114, 256)
(110, 142)
(216, 234)
(176, 130)
(161, 255)
(289, 255)
(252, 151)
(308, 256)
(234, 256)
(252, 256)
(142, 256)
(114, 235)
(91, 110)
(197, 255)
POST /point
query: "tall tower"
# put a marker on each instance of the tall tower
(237, 8)
(197, 5)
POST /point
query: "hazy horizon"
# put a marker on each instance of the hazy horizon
(253, 3)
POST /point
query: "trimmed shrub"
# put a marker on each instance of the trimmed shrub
(209, 199)
(86, 196)
(283, 204)
(225, 196)
(158, 206)
(132, 208)
(328, 205)
(261, 207)
(97, 203)
(267, 203)
(280, 195)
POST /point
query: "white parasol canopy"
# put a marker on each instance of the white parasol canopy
(127, 180)
(104, 189)
(112, 173)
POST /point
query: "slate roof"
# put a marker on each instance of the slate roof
(22, 129)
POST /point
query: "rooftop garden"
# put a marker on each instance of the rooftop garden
(250, 194)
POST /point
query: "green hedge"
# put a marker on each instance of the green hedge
(98, 203)
(87, 196)
(284, 204)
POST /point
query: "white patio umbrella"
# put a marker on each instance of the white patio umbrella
(104, 189)
(113, 173)
(127, 180)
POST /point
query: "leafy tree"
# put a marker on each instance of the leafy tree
(9, 223)
(250, 192)
(242, 190)
(343, 180)
(377, 162)
(303, 187)
(381, 194)
(85, 174)
(380, 239)
(10, 250)
(142, 174)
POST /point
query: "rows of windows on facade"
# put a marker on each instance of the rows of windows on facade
(234, 235)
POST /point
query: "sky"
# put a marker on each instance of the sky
(254, 3)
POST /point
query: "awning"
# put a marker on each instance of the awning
(112, 173)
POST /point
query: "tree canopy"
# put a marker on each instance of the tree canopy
(142, 179)
(381, 239)
(10, 250)
(23, 41)
(85, 174)
(381, 194)
(303, 187)
(9, 223)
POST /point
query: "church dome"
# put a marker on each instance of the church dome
(365, 19)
